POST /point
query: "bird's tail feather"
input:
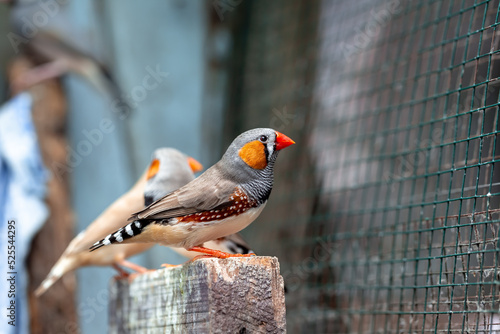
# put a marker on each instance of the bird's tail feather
(62, 266)
(124, 233)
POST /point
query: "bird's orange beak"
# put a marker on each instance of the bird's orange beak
(282, 141)
(195, 165)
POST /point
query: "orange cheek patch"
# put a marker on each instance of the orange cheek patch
(254, 155)
(153, 169)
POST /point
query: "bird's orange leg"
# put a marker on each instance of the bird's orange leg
(121, 273)
(216, 253)
(135, 267)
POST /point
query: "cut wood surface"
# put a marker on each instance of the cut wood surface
(210, 295)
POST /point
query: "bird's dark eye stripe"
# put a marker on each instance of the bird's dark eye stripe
(266, 151)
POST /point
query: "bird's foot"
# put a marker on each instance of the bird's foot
(121, 273)
(135, 267)
(216, 253)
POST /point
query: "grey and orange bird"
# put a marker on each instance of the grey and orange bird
(225, 199)
(169, 170)
(159, 186)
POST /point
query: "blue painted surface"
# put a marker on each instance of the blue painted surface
(169, 36)
(97, 180)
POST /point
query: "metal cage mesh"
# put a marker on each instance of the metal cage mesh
(385, 215)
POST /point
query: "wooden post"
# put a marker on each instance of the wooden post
(210, 295)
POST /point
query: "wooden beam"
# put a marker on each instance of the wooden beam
(210, 295)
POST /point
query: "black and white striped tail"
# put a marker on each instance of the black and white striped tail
(124, 233)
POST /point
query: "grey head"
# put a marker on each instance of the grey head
(249, 160)
(169, 170)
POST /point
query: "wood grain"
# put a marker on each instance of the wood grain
(210, 295)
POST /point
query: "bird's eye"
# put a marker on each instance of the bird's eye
(263, 139)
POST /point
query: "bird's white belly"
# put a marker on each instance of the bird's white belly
(201, 232)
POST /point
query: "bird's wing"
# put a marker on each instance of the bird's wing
(207, 192)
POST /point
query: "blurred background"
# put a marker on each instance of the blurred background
(384, 216)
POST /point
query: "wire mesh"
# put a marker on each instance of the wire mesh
(385, 215)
